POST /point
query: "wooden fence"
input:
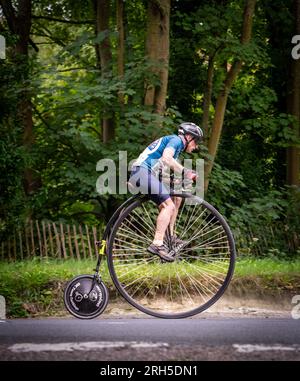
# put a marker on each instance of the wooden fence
(46, 239)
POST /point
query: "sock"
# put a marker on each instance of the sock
(157, 242)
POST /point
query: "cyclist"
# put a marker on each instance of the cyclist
(165, 151)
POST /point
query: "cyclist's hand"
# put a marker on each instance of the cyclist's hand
(190, 174)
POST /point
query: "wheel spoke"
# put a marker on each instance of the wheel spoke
(181, 288)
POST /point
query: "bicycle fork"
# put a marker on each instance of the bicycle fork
(101, 245)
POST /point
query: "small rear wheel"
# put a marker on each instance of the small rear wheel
(86, 297)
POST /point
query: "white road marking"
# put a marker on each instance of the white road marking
(84, 346)
(248, 348)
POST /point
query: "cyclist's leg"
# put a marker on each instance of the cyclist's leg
(167, 209)
(158, 193)
(177, 202)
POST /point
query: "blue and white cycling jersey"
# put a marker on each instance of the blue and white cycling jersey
(150, 157)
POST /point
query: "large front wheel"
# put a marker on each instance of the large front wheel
(200, 273)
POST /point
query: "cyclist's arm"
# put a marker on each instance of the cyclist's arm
(168, 159)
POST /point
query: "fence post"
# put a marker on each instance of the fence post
(45, 239)
(95, 239)
(89, 242)
(76, 243)
(51, 240)
(39, 238)
(15, 246)
(63, 240)
(70, 241)
(82, 242)
(9, 257)
(27, 242)
(32, 237)
(21, 244)
(57, 239)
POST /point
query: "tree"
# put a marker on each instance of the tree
(293, 107)
(104, 54)
(19, 23)
(121, 42)
(157, 51)
(222, 98)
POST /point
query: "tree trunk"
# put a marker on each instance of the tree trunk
(19, 23)
(121, 43)
(293, 107)
(163, 57)
(157, 51)
(121, 37)
(207, 97)
(227, 85)
(102, 20)
(102, 9)
(151, 47)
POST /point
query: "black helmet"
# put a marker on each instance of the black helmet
(191, 129)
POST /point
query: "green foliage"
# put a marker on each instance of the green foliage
(273, 218)
(70, 96)
(70, 134)
(13, 155)
(266, 224)
(260, 210)
(225, 188)
(212, 30)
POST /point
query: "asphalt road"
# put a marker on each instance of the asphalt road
(150, 339)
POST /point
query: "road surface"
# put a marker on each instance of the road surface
(150, 339)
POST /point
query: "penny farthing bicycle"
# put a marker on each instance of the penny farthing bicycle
(198, 277)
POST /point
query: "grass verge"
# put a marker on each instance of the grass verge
(35, 288)
(266, 277)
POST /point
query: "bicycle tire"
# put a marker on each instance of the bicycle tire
(86, 308)
(139, 302)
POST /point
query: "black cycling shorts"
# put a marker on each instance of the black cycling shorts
(144, 180)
